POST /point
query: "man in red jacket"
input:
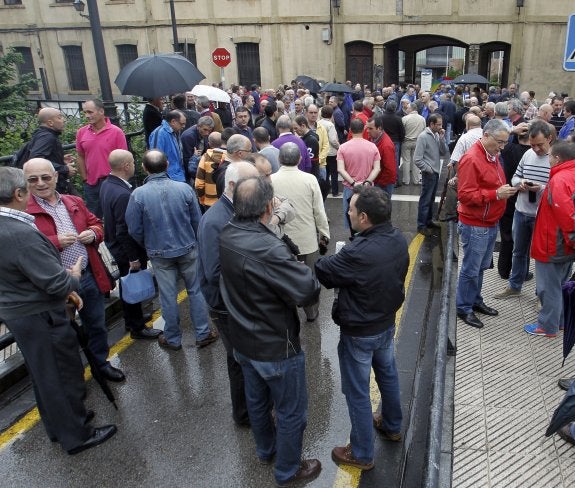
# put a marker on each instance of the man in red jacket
(481, 192)
(388, 172)
(553, 244)
(75, 231)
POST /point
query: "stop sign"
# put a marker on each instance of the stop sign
(221, 57)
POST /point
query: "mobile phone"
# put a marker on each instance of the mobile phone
(529, 183)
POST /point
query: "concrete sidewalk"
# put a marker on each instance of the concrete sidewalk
(505, 394)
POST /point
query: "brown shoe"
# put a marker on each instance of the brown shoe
(211, 337)
(343, 455)
(565, 434)
(388, 436)
(168, 345)
(308, 470)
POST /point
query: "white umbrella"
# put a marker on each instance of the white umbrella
(214, 94)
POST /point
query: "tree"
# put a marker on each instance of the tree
(16, 119)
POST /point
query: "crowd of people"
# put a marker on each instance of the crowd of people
(234, 203)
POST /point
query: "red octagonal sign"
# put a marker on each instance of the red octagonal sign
(221, 57)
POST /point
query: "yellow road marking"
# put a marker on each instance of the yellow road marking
(33, 416)
(348, 476)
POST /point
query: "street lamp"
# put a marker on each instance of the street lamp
(174, 26)
(101, 63)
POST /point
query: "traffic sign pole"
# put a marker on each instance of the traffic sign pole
(223, 78)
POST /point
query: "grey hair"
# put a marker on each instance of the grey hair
(494, 126)
(501, 109)
(289, 155)
(237, 143)
(203, 101)
(284, 122)
(516, 105)
(206, 121)
(11, 179)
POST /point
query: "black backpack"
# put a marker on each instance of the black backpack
(21, 156)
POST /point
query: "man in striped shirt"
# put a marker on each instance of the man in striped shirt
(530, 178)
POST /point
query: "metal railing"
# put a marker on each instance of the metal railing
(438, 392)
(7, 345)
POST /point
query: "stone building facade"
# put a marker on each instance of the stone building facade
(272, 41)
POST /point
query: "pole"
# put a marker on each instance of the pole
(174, 26)
(223, 78)
(101, 63)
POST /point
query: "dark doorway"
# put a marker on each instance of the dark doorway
(248, 55)
(359, 62)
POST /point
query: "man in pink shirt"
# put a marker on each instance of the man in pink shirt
(358, 163)
(94, 143)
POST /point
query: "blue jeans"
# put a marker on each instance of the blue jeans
(280, 385)
(549, 278)
(166, 271)
(347, 194)
(93, 315)
(397, 160)
(92, 197)
(357, 356)
(426, 199)
(448, 133)
(478, 243)
(522, 233)
(387, 189)
(322, 173)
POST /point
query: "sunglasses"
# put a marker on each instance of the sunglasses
(34, 179)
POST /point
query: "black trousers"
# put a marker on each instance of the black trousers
(235, 374)
(133, 315)
(50, 348)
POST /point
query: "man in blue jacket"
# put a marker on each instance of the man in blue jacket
(163, 216)
(211, 225)
(166, 138)
(371, 290)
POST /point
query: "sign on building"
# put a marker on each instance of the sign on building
(569, 61)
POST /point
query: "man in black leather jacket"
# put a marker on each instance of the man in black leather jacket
(262, 284)
(370, 274)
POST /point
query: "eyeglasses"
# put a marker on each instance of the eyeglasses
(34, 179)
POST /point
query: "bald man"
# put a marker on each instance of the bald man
(129, 255)
(545, 112)
(76, 232)
(45, 143)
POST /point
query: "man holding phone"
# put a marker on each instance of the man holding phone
(530, 179)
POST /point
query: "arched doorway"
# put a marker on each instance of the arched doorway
(404, 58)
(359, 62)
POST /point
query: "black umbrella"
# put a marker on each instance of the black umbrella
(568, 318)
(308, 82)
(564, 413)
(470, 79)
(156, 75)
(83, 341)
(336, 88)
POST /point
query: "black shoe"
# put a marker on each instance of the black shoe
(90, 414)
(147, 317)
(529, 276)
(485, 310)
(112, 374)
(424, 231)
(433, 225)
(166, 345)
(470, 319)
(101, 434)
(565, 383)
(308, 470)
(145, 333)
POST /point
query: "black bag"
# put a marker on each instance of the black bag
(21, 156)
